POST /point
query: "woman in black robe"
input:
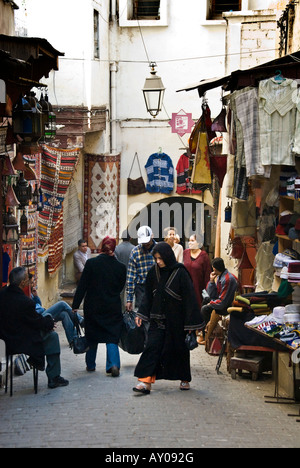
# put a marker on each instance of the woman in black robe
(100, 286)
(171, 309)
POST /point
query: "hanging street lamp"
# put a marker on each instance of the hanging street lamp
(153, 92)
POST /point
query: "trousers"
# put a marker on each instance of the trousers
(112, 356)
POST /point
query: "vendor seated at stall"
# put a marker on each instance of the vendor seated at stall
(220, 289)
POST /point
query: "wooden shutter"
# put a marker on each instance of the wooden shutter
(146, 9)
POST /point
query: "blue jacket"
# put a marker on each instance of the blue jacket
(160, 172)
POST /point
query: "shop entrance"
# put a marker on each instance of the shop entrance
(186, 214)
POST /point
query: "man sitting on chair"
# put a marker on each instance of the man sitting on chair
(27, 332)
(220, 289)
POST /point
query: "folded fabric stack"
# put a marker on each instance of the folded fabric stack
(297, 188)
(289, 225)
(294, 272)
(283, 260)
(286, 181)
(257, 305)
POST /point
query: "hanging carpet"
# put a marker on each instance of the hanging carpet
(57, 168)
(101, 198)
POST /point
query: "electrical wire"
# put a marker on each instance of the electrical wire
(203, 57)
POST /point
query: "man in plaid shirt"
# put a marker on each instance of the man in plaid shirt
(140, 262)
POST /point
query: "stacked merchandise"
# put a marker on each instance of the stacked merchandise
(283, 324)
(287, 266)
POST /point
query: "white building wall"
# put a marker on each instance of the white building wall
(186, 47)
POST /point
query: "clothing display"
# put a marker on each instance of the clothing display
(160, 173)
(182, 168)
(277, 118)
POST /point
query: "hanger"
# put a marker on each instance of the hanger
(278, 77)
(160, 150)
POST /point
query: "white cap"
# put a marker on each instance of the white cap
(144, 234)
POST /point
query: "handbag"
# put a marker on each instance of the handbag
(191, 341)
(135, 186)
(80, 344)
(132, 338)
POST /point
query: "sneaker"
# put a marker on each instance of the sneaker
(58, 382)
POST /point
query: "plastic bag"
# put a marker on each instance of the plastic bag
(132, 338)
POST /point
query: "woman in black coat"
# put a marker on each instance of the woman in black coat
(170, 306)
(100, 285)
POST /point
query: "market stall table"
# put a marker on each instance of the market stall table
(276, 398)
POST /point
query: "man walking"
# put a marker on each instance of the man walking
(140, 262)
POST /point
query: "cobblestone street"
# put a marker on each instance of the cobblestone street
(98, 411)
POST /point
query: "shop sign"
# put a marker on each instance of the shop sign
(181, 123)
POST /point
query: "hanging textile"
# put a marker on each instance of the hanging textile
(55, 246)
(101, 198)
(182, 170)
(160, 173)
(218, 165)
(247, 113)
(71, 220)
(277, 116)
(29, 243)
(201, 170)
(57, 168)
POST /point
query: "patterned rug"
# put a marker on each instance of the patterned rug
(29, 243)
(57, 169)
(101, 198)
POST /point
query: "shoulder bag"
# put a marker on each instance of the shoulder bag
(135, 186)
(80, 344)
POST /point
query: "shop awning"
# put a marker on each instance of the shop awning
(205, 85)
(38, 52)
(289, 66)
(24, 61)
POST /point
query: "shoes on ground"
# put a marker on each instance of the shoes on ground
(114, 371)
(142, 388)
(57, 382)
(184, 385)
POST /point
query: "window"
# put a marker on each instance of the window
(217, 7)
(145, 13)
(96, 35)
(146, 9)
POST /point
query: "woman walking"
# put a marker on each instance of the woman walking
(198, 265)
(100, 285)
(170, 307)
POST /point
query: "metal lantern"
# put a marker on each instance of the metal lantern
(10, 233)
(23, 191)
(35, 195)
(27, 119)
(153, 92)
(23, 225)
(48, 117)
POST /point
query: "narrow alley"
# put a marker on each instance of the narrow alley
(98, 411)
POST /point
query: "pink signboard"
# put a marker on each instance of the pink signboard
(181, 123)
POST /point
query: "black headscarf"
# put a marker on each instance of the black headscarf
(166, 253)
